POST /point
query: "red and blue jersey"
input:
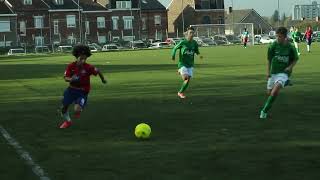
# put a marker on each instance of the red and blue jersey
(83, 72)
(308, 34)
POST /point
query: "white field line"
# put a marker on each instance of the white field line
(37, 170)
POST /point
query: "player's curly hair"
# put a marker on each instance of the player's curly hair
(282, 30)
(190, 28)
(81, 49)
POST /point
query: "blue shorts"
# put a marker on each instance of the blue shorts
(309, 41)
(75, 96)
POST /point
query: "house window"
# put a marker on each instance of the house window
(157, 20)
(39, 40)
(158, 35)
(127, 21)
(101, 23)
(220, 20)
(115, 22)
(38, 21)
(55, 27)
(205, 4)
(71, 21)
(144, 23)
(4, 26)
(102, 39)
(27, 2)
(115, 38)
(206, 20)
(23, 31)
(72, 40)
(128, 38)
(59, 2)
(123, 4)
(87, 25)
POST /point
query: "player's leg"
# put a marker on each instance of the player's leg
(308, 44)
(279, 82)
(79, 105)
(186, 77)
(68, 98)
(296, 45)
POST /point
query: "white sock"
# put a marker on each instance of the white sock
(308, 47)
(66, 116)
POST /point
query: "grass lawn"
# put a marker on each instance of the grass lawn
(214, 134)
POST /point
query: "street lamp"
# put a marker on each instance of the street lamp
(182, 15)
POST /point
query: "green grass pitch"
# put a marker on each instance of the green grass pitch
(214, 134)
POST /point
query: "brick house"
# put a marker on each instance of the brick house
(8, 25)
(33, 22)
(136, 19)
(64, 21)
(153, 21)
(260, 25)
(184, 13)
(96, 21)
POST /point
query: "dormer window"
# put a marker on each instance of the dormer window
(58, 2)
(27, 2)
(123, 4)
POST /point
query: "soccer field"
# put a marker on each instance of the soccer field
(214, 134)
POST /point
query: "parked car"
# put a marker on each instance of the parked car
(110, 47)
(98, 47)
(18, 51)
(137, 44)
(65, 49)
(220, 40)
(41, 49)
(93, 48)
(173, 41)
(159, 45)
(208, 42)
(233, 39)
(267, 39)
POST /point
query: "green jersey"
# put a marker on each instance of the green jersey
(186, 54)
(245, 34)
(296, 36)
(281, 56)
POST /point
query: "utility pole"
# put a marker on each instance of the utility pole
(182, 15)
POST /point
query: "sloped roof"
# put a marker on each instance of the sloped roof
(166, 3)
(67, 4)
(152, 5)
(36, 4)
(237, 15)
(89, 5)
(240, 15)
(4, 9)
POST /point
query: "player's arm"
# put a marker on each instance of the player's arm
(197, 51)
(68, 77)
(174, 50)
(295, 58)
(103, 80)
(270, 57)
(95, 71)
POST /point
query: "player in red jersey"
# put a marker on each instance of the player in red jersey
(78, 75)
(308, 35)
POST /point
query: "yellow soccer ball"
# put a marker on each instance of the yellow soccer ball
(142, 131)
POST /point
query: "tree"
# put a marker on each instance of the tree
(283, 19)
(275, 18)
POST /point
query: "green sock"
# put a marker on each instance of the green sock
(184, 86)
(268, 104)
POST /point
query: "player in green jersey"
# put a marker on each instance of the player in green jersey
(282, 57)
(188, 47)
(296, 37)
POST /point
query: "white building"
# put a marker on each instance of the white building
(307, 11)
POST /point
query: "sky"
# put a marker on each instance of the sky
(267, 7)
